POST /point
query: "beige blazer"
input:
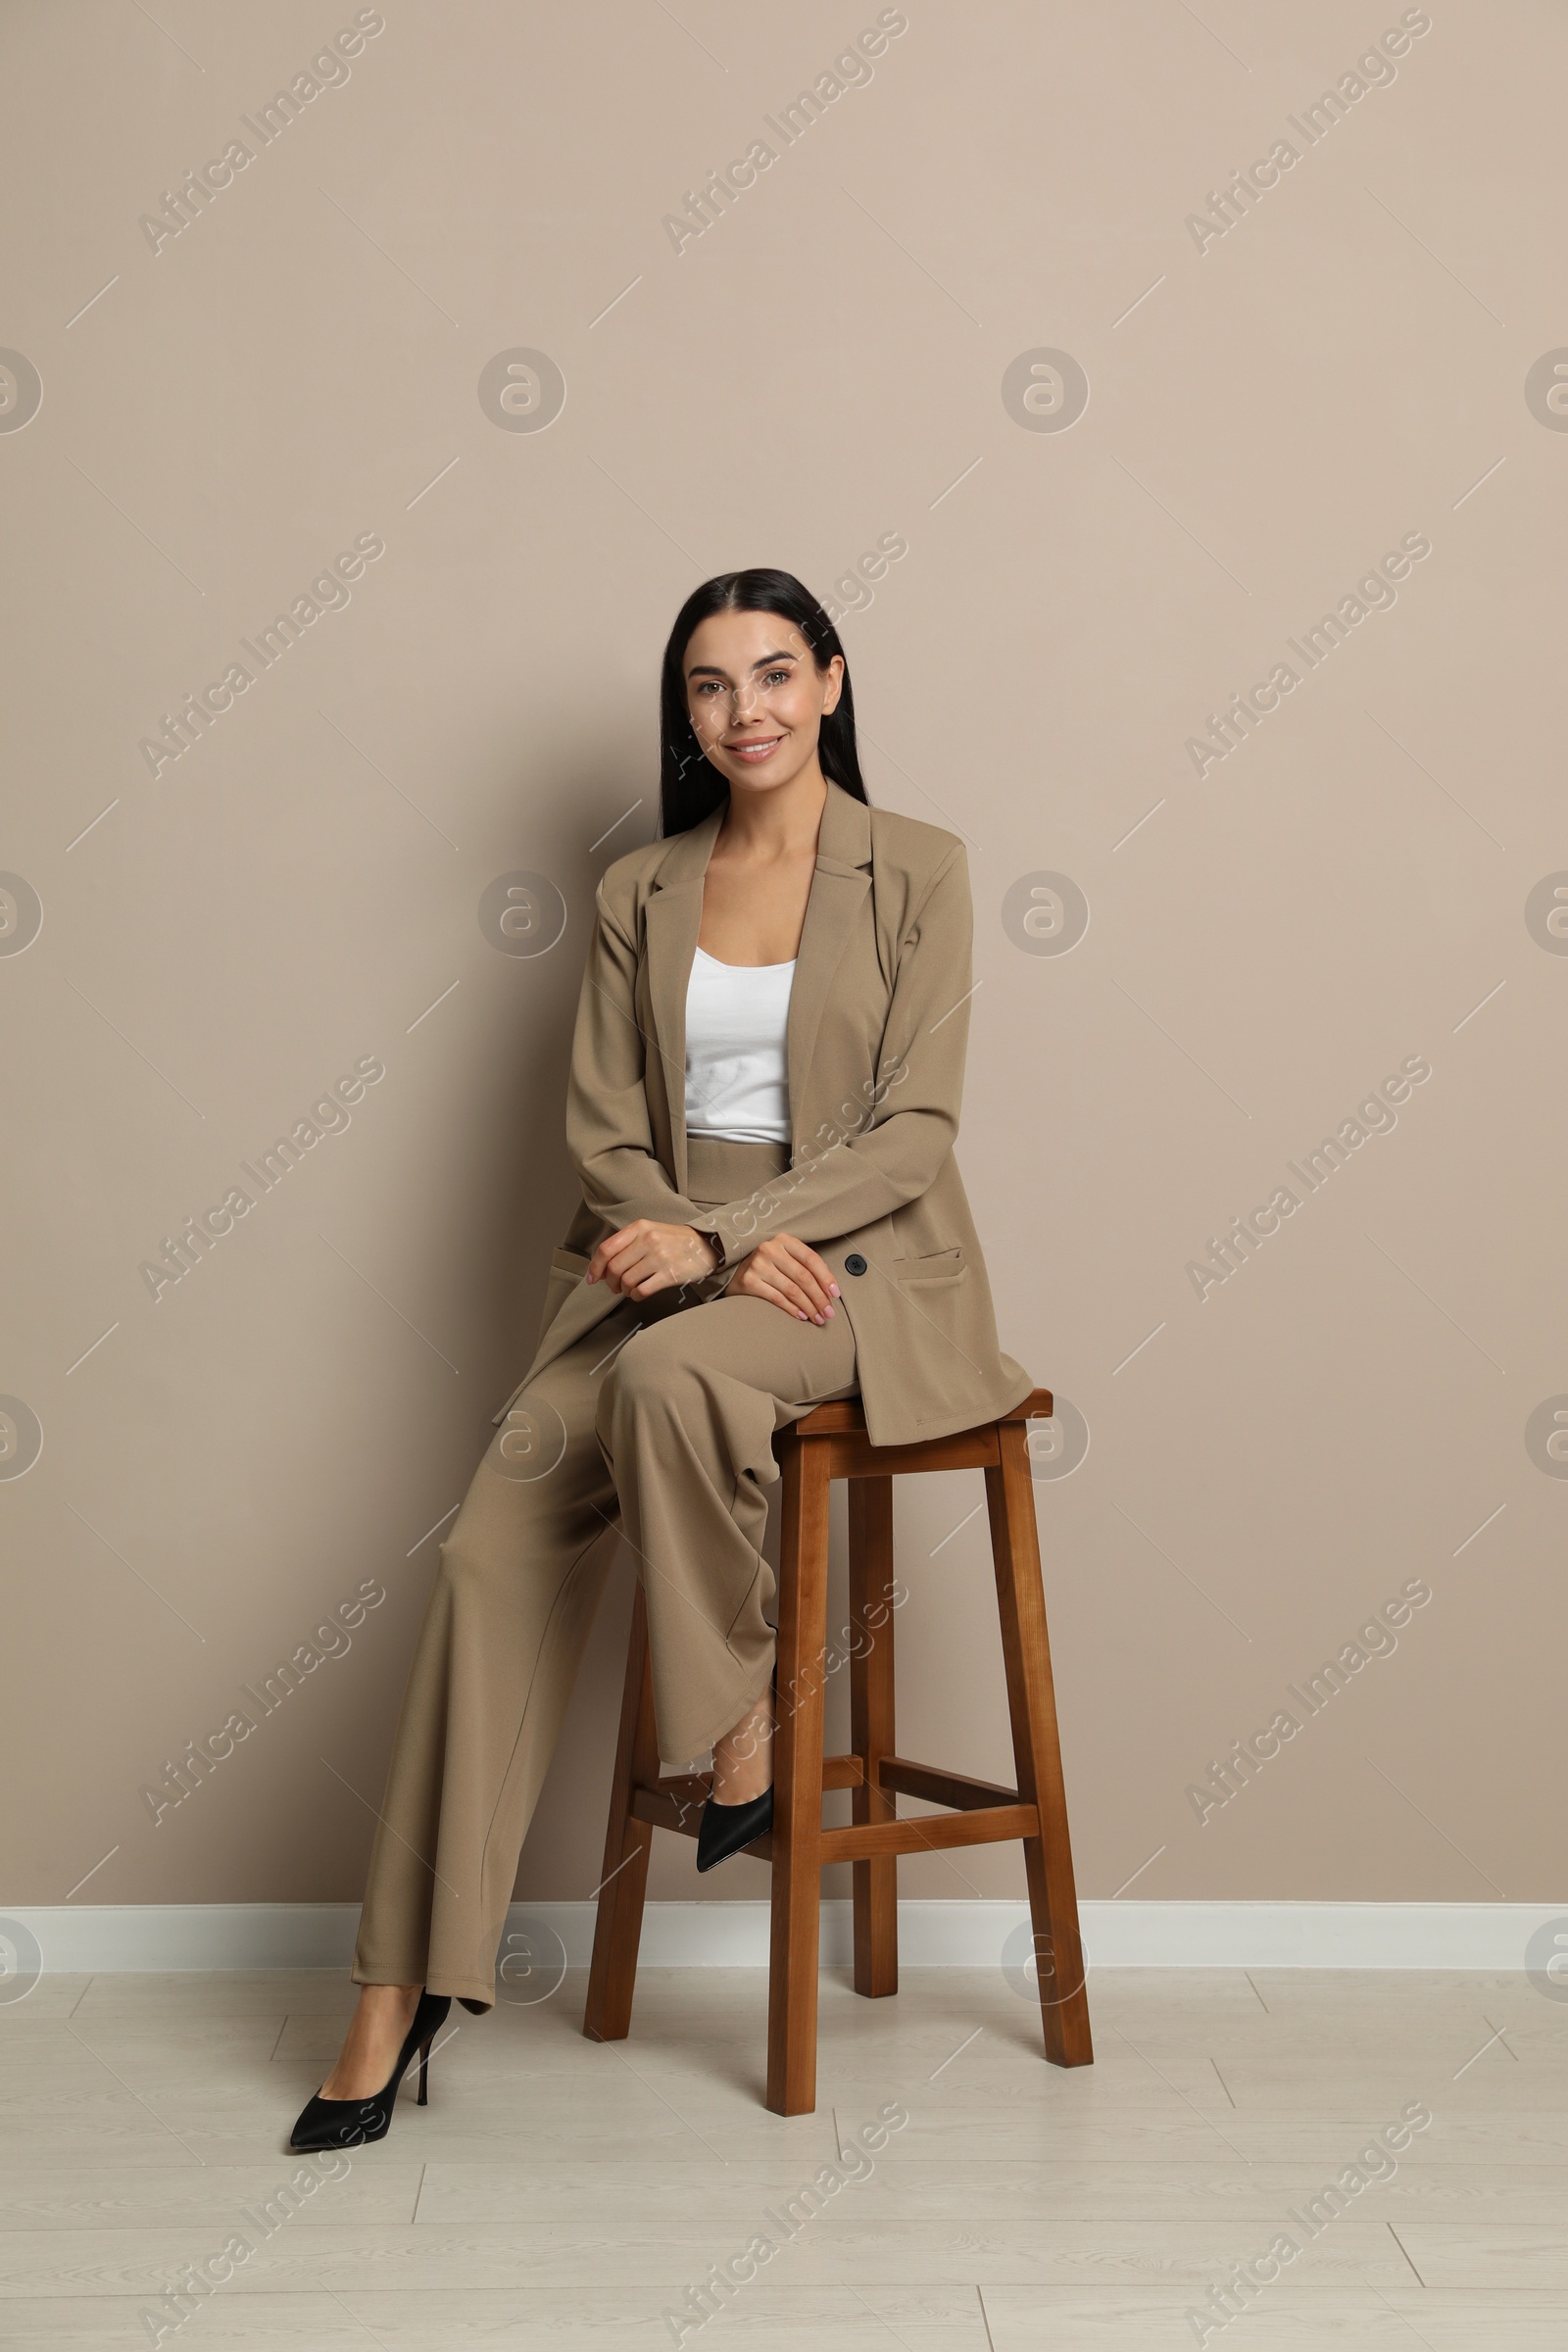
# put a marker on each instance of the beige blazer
(878, 1022)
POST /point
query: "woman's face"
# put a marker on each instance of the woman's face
(757, 698)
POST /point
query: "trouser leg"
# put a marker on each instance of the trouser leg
(509, 1619)
(687, 1416)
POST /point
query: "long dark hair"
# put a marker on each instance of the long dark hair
(690, 786)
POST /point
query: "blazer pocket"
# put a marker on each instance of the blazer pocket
(944, 1265)
(566, 1270)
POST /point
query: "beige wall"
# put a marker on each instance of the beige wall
(839, 358)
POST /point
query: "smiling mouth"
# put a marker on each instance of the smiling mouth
(759, 748)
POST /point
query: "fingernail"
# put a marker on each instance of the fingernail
(834, 1287)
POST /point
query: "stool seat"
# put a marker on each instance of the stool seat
(830, 1443)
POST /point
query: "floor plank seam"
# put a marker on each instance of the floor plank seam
(1405, 2251)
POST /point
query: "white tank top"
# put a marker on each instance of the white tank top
(737, 1078)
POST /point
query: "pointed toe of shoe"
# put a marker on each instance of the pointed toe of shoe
(354, 2122)
(725, 1830)
(341, 2124)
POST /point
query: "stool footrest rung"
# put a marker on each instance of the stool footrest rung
(671, 1808)
(931, 1834)
(672, 1804)
(905, 1778)
(676, 1803)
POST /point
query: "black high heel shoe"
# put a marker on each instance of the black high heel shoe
(352, 2123)
(724, 1829)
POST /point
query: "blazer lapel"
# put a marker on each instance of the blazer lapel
(839, 886)
(672, 918)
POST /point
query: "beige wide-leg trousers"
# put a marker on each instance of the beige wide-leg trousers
(660, 1422)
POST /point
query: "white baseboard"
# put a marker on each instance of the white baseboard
(83, 1938)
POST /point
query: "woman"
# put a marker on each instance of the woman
(765, 1092)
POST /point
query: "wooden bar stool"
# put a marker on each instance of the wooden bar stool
(827, 1444)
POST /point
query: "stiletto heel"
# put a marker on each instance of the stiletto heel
(422, 2098)
(353, 2123)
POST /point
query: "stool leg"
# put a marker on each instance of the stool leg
(1037, 1749)
(797, 1779)
(872, 1737)
(623, 1880)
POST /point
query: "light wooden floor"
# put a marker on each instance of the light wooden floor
(558, 2193)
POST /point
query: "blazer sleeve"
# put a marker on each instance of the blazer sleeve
(609, 1134)
(875, 1156)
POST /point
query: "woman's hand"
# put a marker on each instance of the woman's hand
(644, 1258)
(788, 1274)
